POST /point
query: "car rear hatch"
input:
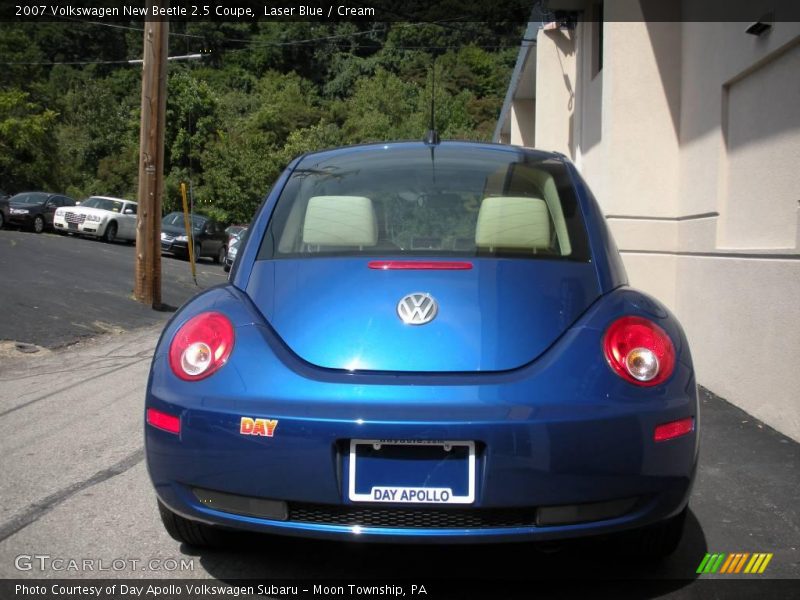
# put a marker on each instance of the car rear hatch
(510, 218)
(500, 314)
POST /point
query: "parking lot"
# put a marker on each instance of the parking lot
(75, 483)
(57, 289)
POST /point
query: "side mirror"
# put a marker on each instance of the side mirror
(128, 211)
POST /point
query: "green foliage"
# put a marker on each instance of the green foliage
(93, 131)
(382, 108)
(242, 169)
(26, 142)
(261, 97)
(191, 118)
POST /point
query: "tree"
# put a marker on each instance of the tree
(96, 131)
(192, 118)
(383, 107)
(27, 144)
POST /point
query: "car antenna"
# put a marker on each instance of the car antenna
(432, 136)
(431, 139)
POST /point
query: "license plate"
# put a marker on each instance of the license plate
(412, 472)
(72, 225)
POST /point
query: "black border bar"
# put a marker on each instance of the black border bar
(251, 11)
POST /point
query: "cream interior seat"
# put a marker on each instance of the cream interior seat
(340, 221)
(518, 223)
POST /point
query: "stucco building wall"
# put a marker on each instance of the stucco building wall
(689, 135)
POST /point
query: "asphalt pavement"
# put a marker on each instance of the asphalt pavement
(56, 290)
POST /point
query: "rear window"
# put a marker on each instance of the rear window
(405, 201)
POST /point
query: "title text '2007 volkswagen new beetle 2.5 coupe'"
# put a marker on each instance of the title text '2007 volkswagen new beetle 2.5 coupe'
(425, 342)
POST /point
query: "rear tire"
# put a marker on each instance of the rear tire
(2, 219)
(38, 224)
(189, 532)
(221, 255)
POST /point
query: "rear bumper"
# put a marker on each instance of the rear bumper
(303, 476)
(544, 438)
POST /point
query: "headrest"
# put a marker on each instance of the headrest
(512, 222)
(340, 221)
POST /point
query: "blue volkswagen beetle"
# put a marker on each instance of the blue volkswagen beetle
(425, 342)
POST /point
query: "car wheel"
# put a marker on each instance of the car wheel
(223, 252)
(38, 224)
(227, 268)
(189, 532)
(111, 232)
(2, 219)
(658, 541)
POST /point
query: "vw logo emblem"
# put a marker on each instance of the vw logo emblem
(417, 309)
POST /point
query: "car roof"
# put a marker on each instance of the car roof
(333, 153)
(193, 214)
(113, 198)
(47, 194)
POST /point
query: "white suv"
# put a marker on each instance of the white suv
(99, 216)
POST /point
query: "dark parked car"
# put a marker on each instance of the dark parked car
(35, 210)
(209, 237)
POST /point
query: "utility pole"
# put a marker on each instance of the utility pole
(147, 288)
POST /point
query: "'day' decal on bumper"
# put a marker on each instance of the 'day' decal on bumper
(264, 427)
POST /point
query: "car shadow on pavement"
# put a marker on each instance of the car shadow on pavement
(164, 307)
(248, 556)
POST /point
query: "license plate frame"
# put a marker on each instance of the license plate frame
(415, 494)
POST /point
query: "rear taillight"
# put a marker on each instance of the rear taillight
(673, 429)
(639, 351)
(201, 346)
(162, 420)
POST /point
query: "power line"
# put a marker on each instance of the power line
(131, 61)
(128, 27)
(260, 44)
(69, 62)
(236, 50)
